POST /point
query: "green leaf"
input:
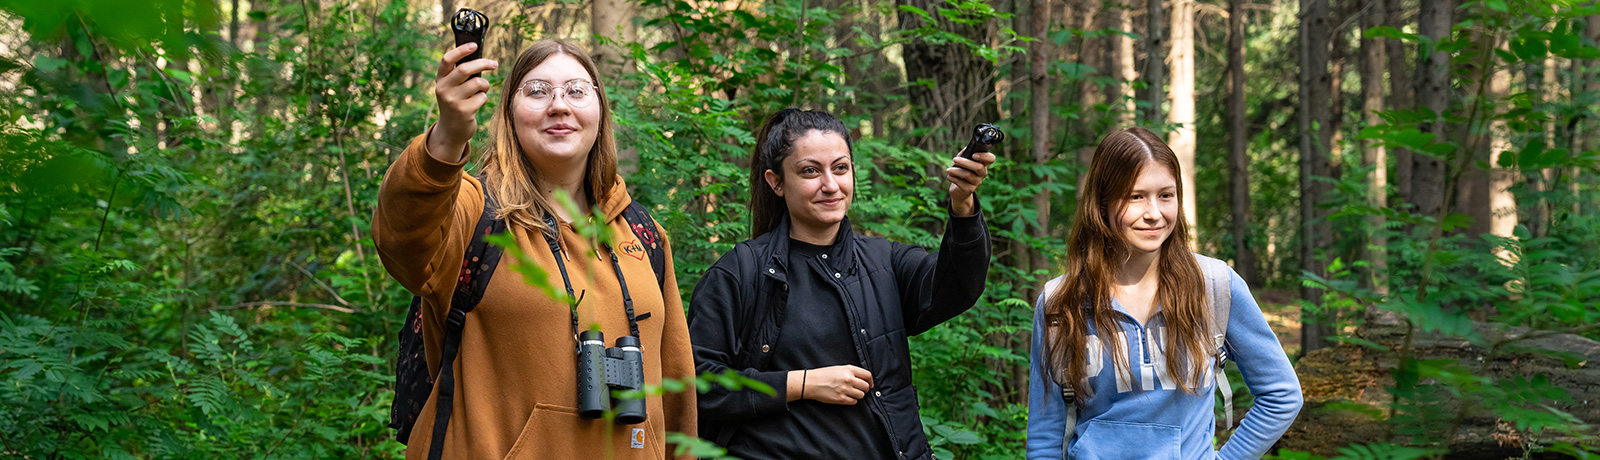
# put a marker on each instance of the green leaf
(964, 437)
(1529, 157)
(48, 64)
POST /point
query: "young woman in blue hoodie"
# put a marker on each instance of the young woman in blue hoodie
(1128, 329)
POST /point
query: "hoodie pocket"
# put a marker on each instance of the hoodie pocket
(558, 432)
(1113, 440)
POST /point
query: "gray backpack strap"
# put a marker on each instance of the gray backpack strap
(1071, 399)
(1072, 420)
(1219, 291)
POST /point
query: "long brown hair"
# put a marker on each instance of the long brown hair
(1096, 249)
(512, 179)
(774, 142)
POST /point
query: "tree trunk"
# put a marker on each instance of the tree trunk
(260, 74)
(1039, 116)
(1400, 90)
(1332, 131)
(233, 24)
(1244, 258)
(1591, 126)
(447, 10)
(1021, 84)
(1502, 204)
(1373, 154)
(612, 19)
(1182, 139)
(855, 75)
(1475, 186)
(1119, 64)
(217, 85)
(1589, 134)
(1433, 95)
(1039, 128)
(1155, 62)
(961, 94)
(1539, 211)
(1313, 113)
(1089, 52)
(175, 104)
(1021, 23)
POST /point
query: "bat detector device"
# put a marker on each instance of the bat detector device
(984, 137)
(470, 26)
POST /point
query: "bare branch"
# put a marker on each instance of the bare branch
(319, 283)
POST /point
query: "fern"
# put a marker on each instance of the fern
(1384, 451)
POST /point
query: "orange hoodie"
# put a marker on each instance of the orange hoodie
(516, 384)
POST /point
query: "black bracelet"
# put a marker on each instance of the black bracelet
(803, 384)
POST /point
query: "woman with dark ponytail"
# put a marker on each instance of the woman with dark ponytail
(822, 314)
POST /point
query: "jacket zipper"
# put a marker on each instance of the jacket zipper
(860, 339)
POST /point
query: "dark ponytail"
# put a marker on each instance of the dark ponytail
(774, 143)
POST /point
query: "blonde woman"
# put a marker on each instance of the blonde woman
(512, 384)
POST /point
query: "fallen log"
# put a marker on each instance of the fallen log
(1348, 397)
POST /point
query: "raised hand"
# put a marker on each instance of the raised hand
(965, 177)
(460, 95)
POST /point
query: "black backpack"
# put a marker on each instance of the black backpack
(413, 384)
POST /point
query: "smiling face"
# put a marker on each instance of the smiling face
(559, 131)
(817, 182)
(1150, 211)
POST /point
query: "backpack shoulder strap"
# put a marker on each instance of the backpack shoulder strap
(644, 227)
(1219, 292)
(1068, 396)
(477, 267)
(743, 357)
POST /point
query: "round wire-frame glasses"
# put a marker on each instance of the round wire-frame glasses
(578, 93)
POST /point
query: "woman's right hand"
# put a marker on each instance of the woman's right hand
(460, 96)
(843, 384)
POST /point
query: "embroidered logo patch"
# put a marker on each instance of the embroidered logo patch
(638, 438)
(632, 248)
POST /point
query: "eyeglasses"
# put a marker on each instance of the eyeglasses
(540, 93)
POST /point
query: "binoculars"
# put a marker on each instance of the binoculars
(602, 369)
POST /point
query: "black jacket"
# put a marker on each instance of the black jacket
(891, 290)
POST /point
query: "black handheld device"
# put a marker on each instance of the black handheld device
(984, 137)
(470, 26)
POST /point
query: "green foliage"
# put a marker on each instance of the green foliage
(185, 270)
(1445, 281)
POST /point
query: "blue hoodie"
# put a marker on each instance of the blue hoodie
(1144, 415)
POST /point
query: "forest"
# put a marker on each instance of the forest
(1409, 187)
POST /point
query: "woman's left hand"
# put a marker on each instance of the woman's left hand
(965, 177)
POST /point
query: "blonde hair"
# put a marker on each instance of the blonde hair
(510, 178)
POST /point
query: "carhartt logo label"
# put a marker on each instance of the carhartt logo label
(638, 438)
(632, 248)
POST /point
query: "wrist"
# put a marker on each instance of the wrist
(444, 148)
(796, 386)
(963, 207)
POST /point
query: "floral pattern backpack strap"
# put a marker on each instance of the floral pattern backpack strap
(644, 227)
